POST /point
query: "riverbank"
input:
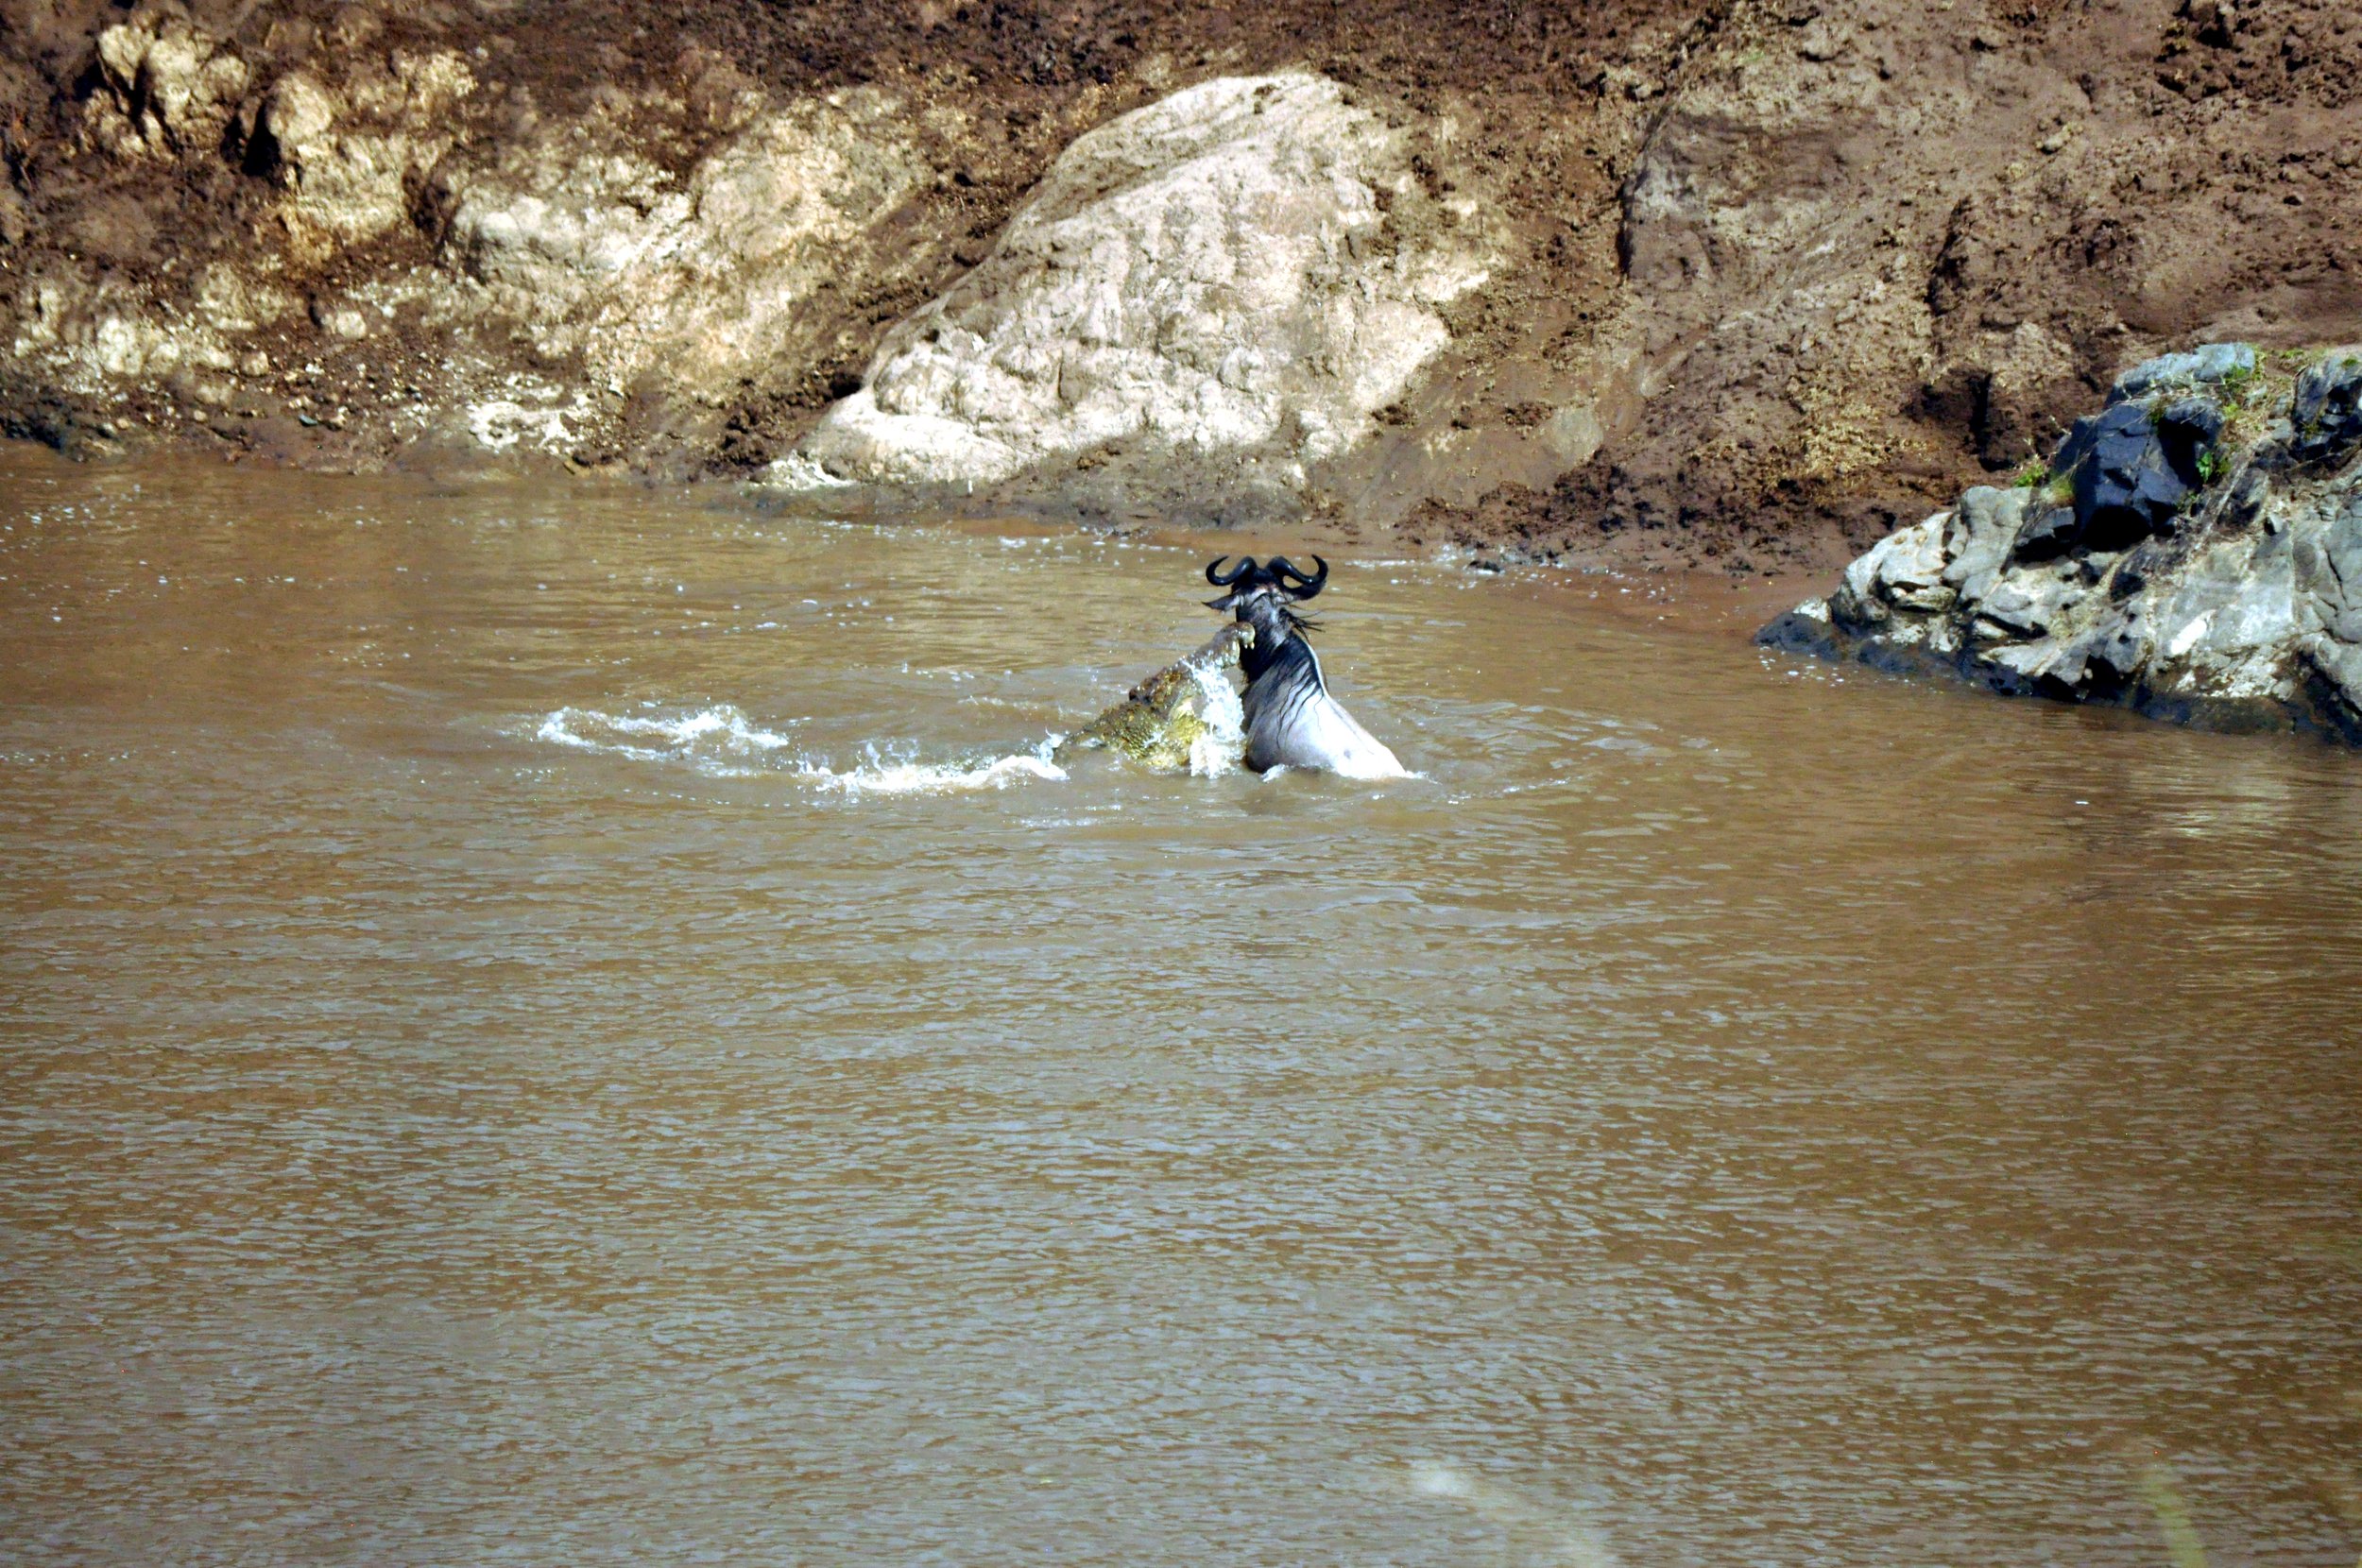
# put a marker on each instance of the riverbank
(1727, 288)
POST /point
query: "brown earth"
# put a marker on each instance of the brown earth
(1802, 268)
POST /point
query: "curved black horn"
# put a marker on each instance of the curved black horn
(1307, 587)
(1246, 564)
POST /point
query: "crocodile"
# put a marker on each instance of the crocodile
(1183, 719)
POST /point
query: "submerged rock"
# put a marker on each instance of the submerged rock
(2189, 555)
(1183, 719)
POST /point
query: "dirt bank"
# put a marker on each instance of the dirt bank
(1733, 286)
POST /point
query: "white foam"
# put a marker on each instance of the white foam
(721, 742)
(1223, 747)
(929, 778)
(720, 731)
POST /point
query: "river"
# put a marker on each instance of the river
(578, 1028)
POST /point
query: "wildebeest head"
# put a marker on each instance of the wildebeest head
(1277, 582)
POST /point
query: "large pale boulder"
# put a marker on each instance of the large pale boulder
(1212, 292)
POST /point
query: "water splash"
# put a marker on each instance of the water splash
(928, 778)
(1222, 746)
(721, 742)
(708, 734)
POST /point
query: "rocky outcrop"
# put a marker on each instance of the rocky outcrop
(1869, 249)
(1210, 297)
(2193, 551)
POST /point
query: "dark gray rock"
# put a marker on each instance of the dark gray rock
(2331, 673)
(2197, 421)
(2327, 411)
(1851, 610)
(1803, 630)
(2340, 588)
(2243, 505)
(2112, 646)
(2028, 602)
(1983, 531)
(2187, 430)
(2127, 487)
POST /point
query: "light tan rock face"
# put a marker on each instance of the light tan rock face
(338, 163)
(608, 257)
(500, 281)
(349, 161)
(167, 88)
(170, 90)
(1207, 293)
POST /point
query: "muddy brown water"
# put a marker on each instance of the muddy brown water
(571, 1029)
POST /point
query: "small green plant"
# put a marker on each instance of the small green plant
(2032, 474)
(2212, 465)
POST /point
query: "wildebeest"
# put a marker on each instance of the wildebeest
(1290, 719)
